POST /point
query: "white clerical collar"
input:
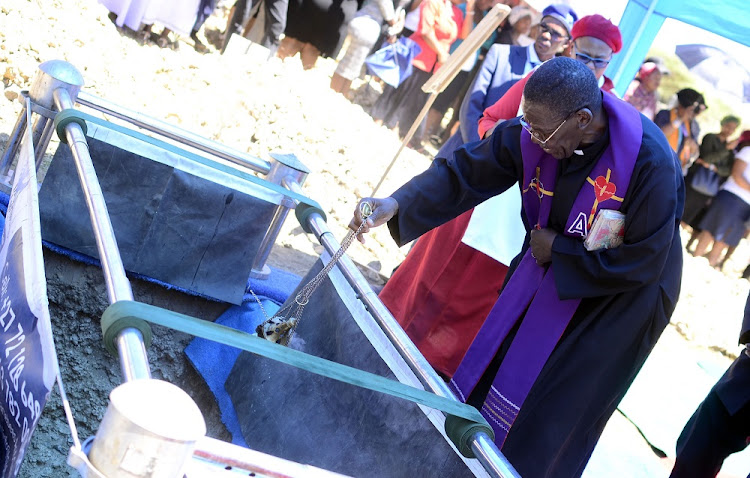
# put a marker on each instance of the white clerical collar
(579, 152)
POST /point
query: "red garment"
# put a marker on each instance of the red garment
(442, 293)
(445, 20)
(505, 108)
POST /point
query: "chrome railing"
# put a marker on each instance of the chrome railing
(56, 88)
(482, 445)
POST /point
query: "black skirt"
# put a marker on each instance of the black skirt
(401, 106)
(322, 23)
(725, 218)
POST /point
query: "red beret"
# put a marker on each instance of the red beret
(745, 136)
(647, 69)
(598, 27)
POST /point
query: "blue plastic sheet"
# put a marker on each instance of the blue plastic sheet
(392, 63)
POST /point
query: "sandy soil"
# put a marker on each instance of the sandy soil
(254, 106)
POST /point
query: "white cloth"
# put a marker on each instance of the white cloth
(496, 228)
(179, 16)
(731, 185)
(364, 32)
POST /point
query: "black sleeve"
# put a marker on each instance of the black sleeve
(450, 187)
(713, 151)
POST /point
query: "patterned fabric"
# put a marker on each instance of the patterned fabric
(364, 31)
(644, 101)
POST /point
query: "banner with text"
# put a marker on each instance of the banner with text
(28, 365)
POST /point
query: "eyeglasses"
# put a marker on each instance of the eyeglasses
(554, 36)
(542, 142)
(598, 62)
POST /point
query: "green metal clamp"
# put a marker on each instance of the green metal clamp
(461, 431)
(117, 319)
(304, 211)
(64, 118)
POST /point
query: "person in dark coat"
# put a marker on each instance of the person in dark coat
(716, 154)
(721, 424)
(572, 326)
(241, 16)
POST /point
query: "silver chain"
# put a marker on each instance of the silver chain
(285, 321)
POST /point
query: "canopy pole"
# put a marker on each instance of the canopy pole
(633, 43)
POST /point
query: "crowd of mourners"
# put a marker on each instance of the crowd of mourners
(528, 318)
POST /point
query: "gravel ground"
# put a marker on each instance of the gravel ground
(259, 106)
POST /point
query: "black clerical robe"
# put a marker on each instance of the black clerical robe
(628, 293)
(734, 387)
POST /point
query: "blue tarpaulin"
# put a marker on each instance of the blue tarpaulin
(642, 20)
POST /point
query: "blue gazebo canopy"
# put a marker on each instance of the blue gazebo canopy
(642, 20)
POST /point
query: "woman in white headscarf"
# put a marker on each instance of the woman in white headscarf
(518, 24)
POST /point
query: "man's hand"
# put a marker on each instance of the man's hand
(382, 211)
(541, 245)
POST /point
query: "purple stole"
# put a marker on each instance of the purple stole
(531, 294)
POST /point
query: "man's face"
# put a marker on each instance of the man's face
(690, 112)
(523, 25)
(728, 128)
(553, 38)
(652, 81)
(593, 53)
(556, 132)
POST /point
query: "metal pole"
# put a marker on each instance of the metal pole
(285, 169)
(217, 451)
(625, 56)
(260, 269)
(132, 351)
(12, 147)
(40, 147)
(174, 133)
(484, 448)
(491, 457)
(37, 130)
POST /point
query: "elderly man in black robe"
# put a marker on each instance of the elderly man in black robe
(576, 319)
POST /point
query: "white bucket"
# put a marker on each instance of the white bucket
(148, 431)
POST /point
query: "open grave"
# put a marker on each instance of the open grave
(144, 224)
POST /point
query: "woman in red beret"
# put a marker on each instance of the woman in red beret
(595, 40)
(642, 91)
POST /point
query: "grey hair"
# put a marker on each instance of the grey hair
(563, 85)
